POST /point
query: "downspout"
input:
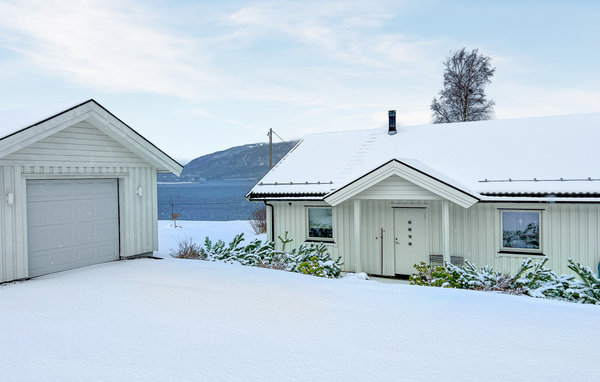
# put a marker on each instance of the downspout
(272, 220)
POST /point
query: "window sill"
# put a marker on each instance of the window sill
(319, 241)
(520, 253)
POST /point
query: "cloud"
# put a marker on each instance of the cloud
(348, 32)
(517, 100)
(109, 45)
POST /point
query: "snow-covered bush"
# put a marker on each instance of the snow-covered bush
(532, 279)
(466, 277)
(486, 278)
(542, 282)
(438, 276)
(187, 249)
(587, 290)
(312, 259)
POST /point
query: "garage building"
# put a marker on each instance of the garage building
(78, 187)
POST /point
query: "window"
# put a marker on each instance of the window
(320, 223)
(521, 230)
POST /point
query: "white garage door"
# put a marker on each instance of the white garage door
(71, 223)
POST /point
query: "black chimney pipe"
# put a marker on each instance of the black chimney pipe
(392, 124)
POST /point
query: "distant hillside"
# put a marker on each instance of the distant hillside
(240, 162)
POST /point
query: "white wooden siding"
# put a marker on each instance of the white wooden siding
(396, 187)
(74, 143)
(80, 151)
(568, 231)
(375, 215)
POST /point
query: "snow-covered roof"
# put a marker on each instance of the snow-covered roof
(28, 125)
(548, 155)
(13, 121)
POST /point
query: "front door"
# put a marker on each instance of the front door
(410, 239)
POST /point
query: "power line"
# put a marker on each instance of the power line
(281, 139)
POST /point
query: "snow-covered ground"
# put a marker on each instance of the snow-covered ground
(172, 320)
(198, 230)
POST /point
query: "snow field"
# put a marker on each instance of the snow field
(172, 320)
(198, 230)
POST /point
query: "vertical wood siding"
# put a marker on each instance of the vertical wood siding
(396, 187)
(568, 231)
(375, 215)
(80, 151)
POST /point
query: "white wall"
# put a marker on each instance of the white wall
(568, 230)
(80, 151)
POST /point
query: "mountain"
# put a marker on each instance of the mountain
(240, 162)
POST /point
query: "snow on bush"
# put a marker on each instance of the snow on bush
(312, 259)
(532, 279)
(187, 249)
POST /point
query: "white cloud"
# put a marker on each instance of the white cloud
(516, 100)
(110, 45)
(348, 32)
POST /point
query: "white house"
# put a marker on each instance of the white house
(77, 186)
(493, 192)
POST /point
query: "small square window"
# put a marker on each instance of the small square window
(521, 230)
(320, 223)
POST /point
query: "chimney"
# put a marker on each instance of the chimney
(392, 124)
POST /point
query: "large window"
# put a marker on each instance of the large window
(320, 223)
(521, 230)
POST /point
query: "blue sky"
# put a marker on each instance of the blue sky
(197, 77)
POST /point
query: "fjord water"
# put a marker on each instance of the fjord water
(208, 200)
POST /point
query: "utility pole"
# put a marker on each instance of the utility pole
(270, 149)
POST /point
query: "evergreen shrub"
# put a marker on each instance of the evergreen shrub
(312, 259)
(532, 279)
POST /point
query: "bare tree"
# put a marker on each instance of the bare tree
(174, 217)
(463, 98)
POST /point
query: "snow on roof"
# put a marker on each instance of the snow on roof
(514, 156)
(12, 121)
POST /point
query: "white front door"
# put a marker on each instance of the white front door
(410, 239)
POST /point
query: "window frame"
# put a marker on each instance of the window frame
(513, 250)
(307, 230)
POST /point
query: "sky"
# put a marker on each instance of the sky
(196, 77)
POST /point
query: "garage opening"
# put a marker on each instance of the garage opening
(71, 223)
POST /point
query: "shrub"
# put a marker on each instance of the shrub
(429, 275)
(587, 290)
(542, 282)
(258, 220)
(187, 249)
(312, 259)
(531, 279)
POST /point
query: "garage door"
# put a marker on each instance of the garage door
(71, 223)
